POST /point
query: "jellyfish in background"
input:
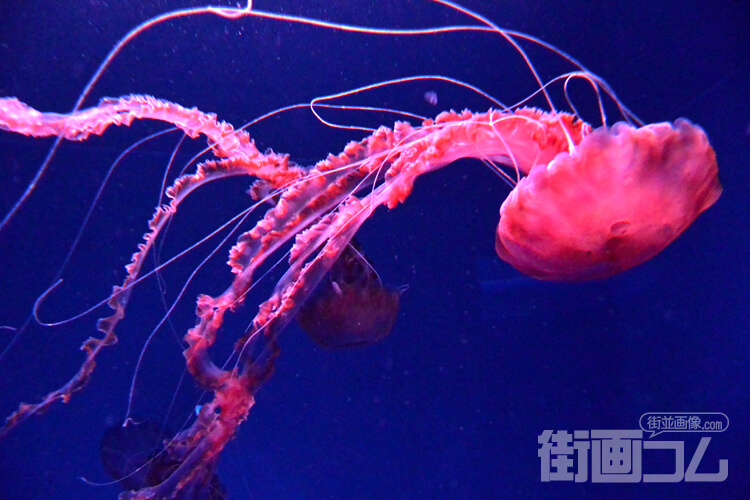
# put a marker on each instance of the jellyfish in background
(589, 202)
(350, 306)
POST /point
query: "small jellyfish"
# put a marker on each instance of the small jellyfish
(430, 98)
(351, 306)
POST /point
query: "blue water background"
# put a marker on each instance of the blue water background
(481, 359)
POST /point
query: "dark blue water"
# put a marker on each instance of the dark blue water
(481, 359)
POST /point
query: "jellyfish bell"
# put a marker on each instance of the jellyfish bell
(618, 199)
(351, 306)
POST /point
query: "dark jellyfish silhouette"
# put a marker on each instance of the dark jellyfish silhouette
(135, 456)
(351, 306)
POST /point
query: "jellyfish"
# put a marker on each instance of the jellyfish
(350, 306)
(594, 202)
(588, 201)
(620, 198)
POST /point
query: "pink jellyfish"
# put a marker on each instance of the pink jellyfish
(617, 200)
(592, 202)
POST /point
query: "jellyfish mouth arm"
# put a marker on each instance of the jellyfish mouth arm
(25, 410)
(314, 252)
(120, 296)
(199, 447)
(316, 249)
(360, 166)
(318, 209)
(225, 141)
(245, 160)
(524, 138)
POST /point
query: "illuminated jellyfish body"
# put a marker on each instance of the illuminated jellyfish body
(613, 204)
(592, 202)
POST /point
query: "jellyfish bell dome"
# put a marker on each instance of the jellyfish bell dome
(620, 197)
